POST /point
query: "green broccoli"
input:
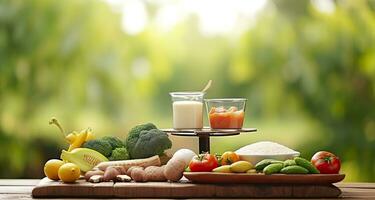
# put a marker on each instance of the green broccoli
(100, 146)
(133, 135)
(119, 154)
(114, 141)
(147, 143)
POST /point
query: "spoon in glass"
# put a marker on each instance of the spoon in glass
(207, 86)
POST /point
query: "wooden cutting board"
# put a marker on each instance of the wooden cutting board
(182, 189)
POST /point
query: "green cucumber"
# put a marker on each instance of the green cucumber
(264, 163)
(306, 164)
(289, 162)
(273, 168)
(294, 169)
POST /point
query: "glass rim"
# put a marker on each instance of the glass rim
(226, 100)
(187, 93)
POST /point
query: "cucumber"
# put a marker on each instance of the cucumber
(262, 164)
(273, 168)
(294, 169)
(306, 164)
(289, 162)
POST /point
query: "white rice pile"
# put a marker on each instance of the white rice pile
(265, 148)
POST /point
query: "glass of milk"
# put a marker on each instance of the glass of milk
(187, 110)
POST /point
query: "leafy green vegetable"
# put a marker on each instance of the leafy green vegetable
(119, 154)
(133, 135)
(115, 142)
(111, 147)
(100, 146)
(146, 140)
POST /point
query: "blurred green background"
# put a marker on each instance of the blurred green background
(306, 67)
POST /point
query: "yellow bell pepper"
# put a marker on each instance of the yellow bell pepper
(90, 135)
(71, 137)
(80, 139)
(74, 139)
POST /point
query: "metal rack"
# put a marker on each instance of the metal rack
(205, 134)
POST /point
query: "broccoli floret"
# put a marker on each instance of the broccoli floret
(119, 154)
(115, 142)
(133, 135)
(148, 143)
(100, 146)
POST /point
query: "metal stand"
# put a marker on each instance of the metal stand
(205, 134)
(204, 144)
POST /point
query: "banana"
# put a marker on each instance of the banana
(241, 166)
(222, 169)
(251, 171)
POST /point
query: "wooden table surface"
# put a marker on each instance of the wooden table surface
(21, 189)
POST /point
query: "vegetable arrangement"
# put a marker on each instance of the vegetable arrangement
(322, 162)
(138, 158)
(109, 158)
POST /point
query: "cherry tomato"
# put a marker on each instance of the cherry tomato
(228, 158)
(326, 162)
(203, 163)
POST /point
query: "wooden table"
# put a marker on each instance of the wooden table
(21, 189)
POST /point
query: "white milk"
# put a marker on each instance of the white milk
(187, 114)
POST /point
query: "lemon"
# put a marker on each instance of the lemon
(69, 172)
(51, 168)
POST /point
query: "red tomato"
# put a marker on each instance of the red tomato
(326, 162)
(203, 163)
